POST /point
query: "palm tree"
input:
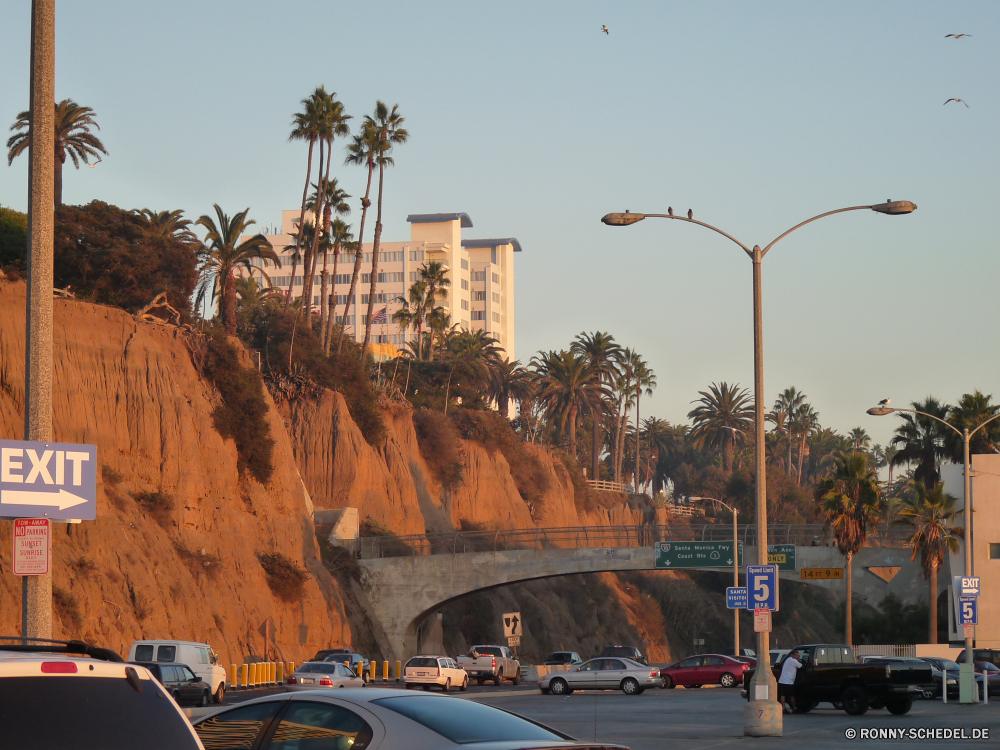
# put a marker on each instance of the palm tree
(601, 349)
(860, 441)
(569, 384)
(305, 127)
(722, 412)
(655, 431)
(389, 132)
(645, 378)
(789, 401)
(932, 513)
(779, 439)
(413, 311)
(971, 411)
(73, 139)
(623, 379)
(805, 422)
(170, 224)
(435, 280)
(508, 380)
(341, 237)
(850, 499)
(335, 201)
(222, 254)
(921, 440)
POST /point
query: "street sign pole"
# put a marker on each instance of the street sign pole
(36, 590)
(736, 583)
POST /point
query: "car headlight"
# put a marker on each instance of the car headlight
(952, 682)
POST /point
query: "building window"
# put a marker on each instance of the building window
(413, 275)
(465, 264)
(496, 317)
(496, 298)
(479, 275)
(416, 254)
(995, 551)
(496, 278)
(465, 324)
(493, 255)
(479, 315)
(390, 257)
(380, 299)
(465, 284)
(465, 304)
(343, 278)
(479, 296)
(341, 299)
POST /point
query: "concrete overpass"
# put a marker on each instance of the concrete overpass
(406, 579)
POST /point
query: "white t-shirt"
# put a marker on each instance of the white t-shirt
(788, 671)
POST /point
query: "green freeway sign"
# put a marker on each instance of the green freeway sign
(782, 555)
(695, 555)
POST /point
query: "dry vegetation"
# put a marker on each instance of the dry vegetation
(438, 441)
(285, 579)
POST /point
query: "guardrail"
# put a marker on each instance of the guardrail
(601, 484)
(572, 537)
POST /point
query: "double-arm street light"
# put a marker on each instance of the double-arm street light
(762, 716)
(966, 435)
(736, 565)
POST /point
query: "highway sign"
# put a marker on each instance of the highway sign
(966, 585)
(762, 584)
(48, 480)
(762, 621)
(782, 555)
(968, 610)
(695, 555)
(736, 597)
(512, 625)
(821, 574)
(32, 544)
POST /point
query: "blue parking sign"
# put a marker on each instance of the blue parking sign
(736, 597)
(762, 587)
(968, 610)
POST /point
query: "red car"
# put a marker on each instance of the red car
(704, 669)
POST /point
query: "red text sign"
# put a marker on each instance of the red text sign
(31, 546)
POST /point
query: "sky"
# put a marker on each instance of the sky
(527, 117)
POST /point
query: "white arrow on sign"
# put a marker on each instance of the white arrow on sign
(61, 499)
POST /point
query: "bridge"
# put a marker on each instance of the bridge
(407, 578)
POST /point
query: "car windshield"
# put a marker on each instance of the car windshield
(988, 666)
(464, 722)
(105, 713)
(339, 658)
(559, 656)
(488, 650)
(422, 661)
(317, 668)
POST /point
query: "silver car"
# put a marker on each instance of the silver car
(376, 719)
(315, 675)
(602, 673)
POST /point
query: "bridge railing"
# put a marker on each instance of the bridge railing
(575, 537)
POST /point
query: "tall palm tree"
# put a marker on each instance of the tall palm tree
(170, 224)
(435, 280)
(806, 422)
(306, 126)
(223, 253)
(569, 384)
(341, 238)
(74, 139)
(971, 411)
(335, 202)
(850, 499)
(860, 440)
(789, 401)
(360, 151)
(508, 380)
(922, 441)
(602, 350)
(623, 381)
(779, 439)
(932, 514)
(389, 132)
(722, 412)
(645, 379)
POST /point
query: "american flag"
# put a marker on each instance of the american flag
(379, 317)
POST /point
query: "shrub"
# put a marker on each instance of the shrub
(584, 498)
(110, 476)
(198, 563)
(285, 579)
(67, 609)
(84, 567)
(13, 236)
(242, 415)
(158, 506)
(140, 604)
(438, 442)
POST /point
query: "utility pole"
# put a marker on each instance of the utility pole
(36, 590)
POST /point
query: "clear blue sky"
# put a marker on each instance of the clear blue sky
(526, 116)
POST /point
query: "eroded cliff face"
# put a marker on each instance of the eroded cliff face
(143, 569)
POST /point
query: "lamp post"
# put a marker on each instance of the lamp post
(736, 566)
(966, 435)
(762, 716)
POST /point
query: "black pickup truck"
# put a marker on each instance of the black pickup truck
(830, 674)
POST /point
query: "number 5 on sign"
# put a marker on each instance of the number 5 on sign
(762, 581)
(969, 611)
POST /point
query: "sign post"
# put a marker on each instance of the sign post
(762, 587)
(512, 627)
(736, 598)
(32, 544)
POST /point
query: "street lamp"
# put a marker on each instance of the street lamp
(736, 566)
(966, 435)
(762, 716)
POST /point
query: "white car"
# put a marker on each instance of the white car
(67, 694)
(315, 675)
(427, 671)
(200, 657)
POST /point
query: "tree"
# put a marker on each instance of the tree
(722, 411)
(601, 349)
(341, 238)
(569, 384)
(13, 236)
(623, 379)
(335, 201)
(508, 381)
(850, 499)
(645, 378)
(922, 441)
(932, 514)
(387, 128)
(412, 311)
(789, 401)
(805, 422)
(860, 441)
(223, 253)
(971, 411)
(74, 139)
(169, 224)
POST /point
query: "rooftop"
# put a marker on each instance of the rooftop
(440, 218)
(494, 243)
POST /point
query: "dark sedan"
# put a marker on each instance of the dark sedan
(560, 658)
(184, 685)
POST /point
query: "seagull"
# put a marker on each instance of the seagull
(604, 29)
(953, 99)
(99, 160)
(690, 214)
(957, 36)
(670, 210)
(884, 402)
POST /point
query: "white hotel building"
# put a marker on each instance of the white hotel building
(481, 295)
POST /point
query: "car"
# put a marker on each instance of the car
(705, 669)
(992, 675)
(184, 686)
(943, 667)
(743, 652)
(428, 671)
(496, 663)
(62, 694)
(777, 654)
(927, 689)
(200, 658)
(376, 719)
(628, 652)
(322, 654)
(356, 662)
(629, 676)
(557, 658)
(322, 674)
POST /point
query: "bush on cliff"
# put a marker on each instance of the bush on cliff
(438, 442)
(13, 237)
(285, 579)
(242, 415)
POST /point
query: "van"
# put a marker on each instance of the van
(200, 657)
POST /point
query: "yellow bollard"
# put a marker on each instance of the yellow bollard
(274, 672)
(254, 669)
(385, 671)
(291, 668)
(244, 676)
(371, 671)
(399, 668)
(232, 676)
(281, 673)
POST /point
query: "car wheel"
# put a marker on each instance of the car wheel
(899, 706)
(517, 678)
(630, 686)
(804, 707)
(855, 700)
(727, 680)
(465, 685)
(446, 688)
(498, 680)
(204, 699)
(668, 682)
(220, 693)
(559, 687)
(837, 705)
(177, 697)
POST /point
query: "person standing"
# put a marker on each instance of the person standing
(786, 683)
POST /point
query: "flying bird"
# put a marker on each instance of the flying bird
(957, 36)
(690, 214)
(884, 402)
(953, 99)
(670, 210)
(604, 28)
(99, 160)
